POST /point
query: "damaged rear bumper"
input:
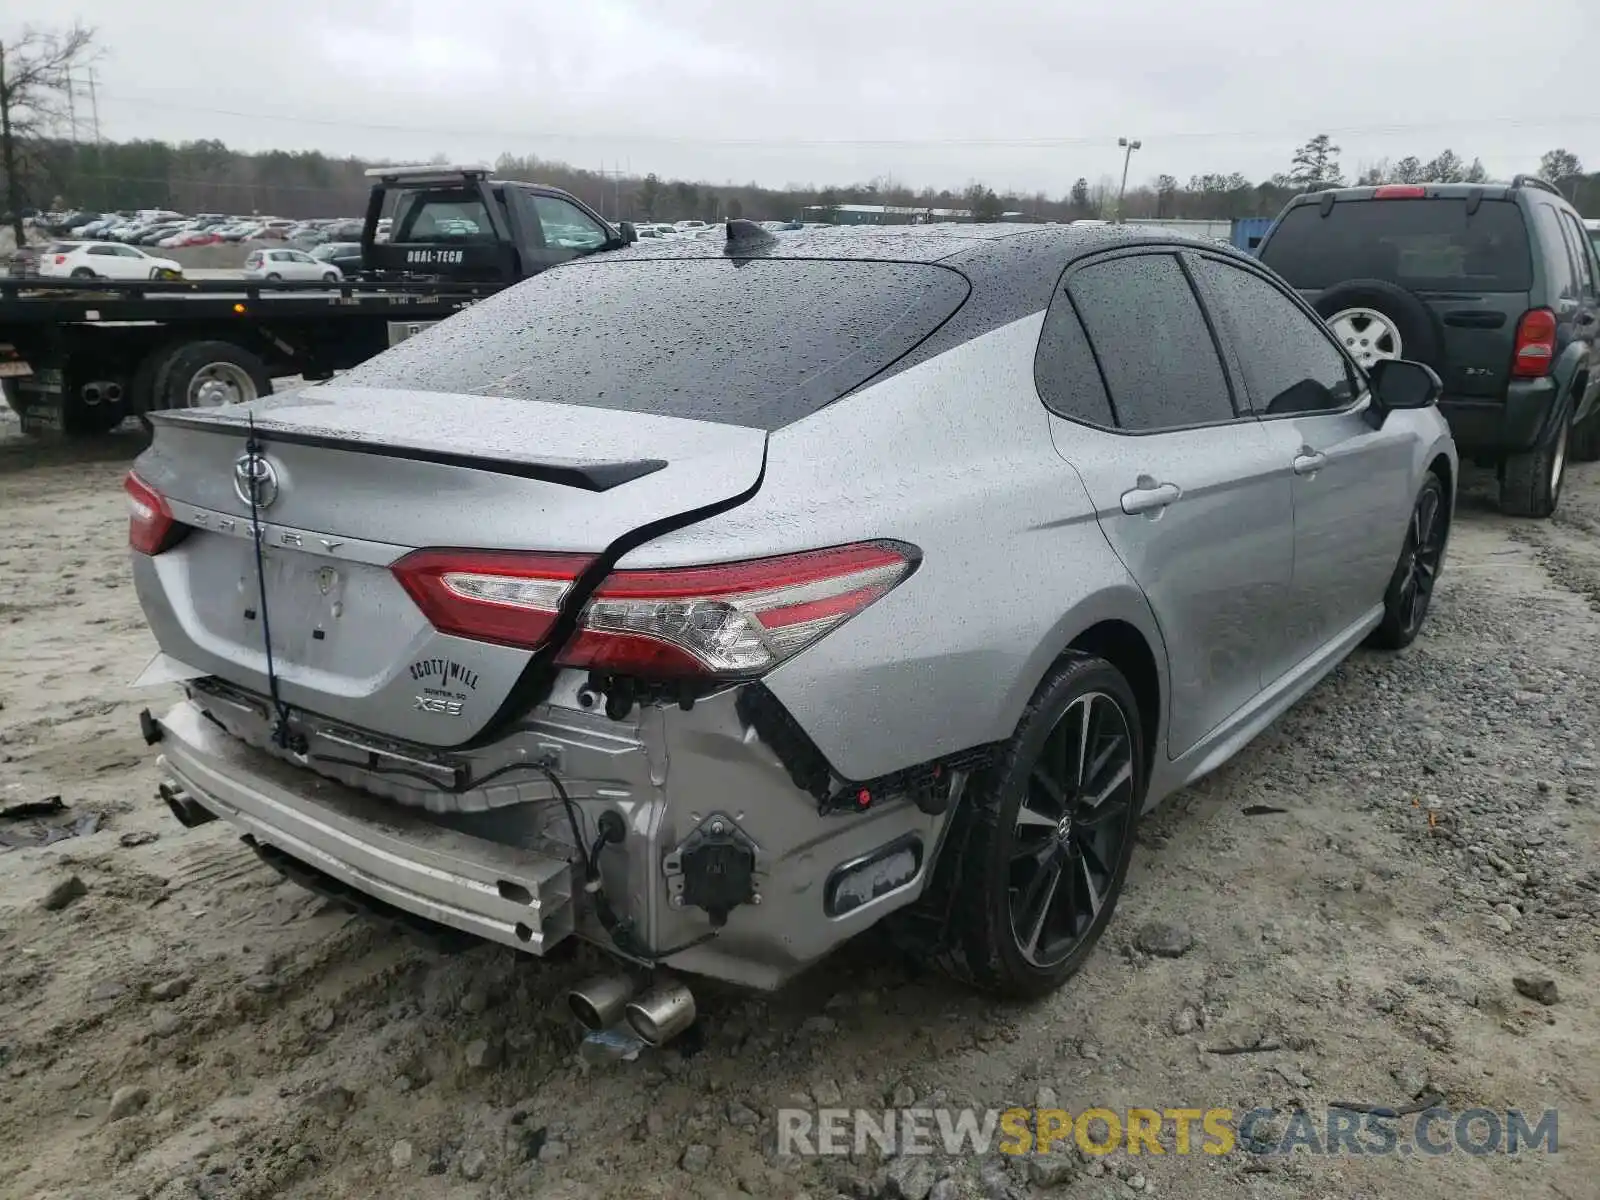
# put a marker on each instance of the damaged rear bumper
(695, 790)
(516, 897)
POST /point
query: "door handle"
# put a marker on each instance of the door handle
(1309, 461)
(1150, 497)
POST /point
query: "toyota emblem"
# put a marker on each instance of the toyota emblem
(254, 480)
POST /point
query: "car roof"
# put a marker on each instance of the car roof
(1012, 271)
(952, 245)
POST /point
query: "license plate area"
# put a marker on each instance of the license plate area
(339, 626)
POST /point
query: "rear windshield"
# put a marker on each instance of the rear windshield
(441, 216)
(1427, 245)
(759, 343)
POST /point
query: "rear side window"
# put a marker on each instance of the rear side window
(1064, 369)
(1578, 243)
(1558, 257)
(1431, 245)
(760, 343)
(1153, 344)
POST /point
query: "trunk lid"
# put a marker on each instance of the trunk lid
(364, 476)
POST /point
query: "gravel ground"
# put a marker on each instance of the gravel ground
(180, 1023)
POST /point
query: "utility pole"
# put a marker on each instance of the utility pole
(1128, 147)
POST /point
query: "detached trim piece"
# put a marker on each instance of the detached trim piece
(591, 477)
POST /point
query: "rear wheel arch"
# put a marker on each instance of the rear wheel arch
(1128, 650)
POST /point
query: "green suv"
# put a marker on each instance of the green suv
(1494, 286)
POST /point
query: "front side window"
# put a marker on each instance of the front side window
(567, 227)
(1158, 358)
(1289, 363)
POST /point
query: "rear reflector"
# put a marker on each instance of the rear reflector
(1536, 344)
(728, 620)
(151, 527)
(1400, 191)
(506, 597)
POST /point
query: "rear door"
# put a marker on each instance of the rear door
(1470, 264)
(1351, 482)
(1586, 318)
(1190, 492)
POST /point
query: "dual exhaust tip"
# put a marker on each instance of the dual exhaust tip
(655, 1018)
(102, 392)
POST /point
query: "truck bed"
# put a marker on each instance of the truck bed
(60, 301)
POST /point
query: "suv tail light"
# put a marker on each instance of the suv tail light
(1536, 344)
(728, 620)
(60, 258)
(151, 525)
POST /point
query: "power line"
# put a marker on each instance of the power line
(1587, 120)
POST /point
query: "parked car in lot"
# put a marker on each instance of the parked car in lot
(105, 260)
(1495, 287)
(288, 264)
(929, 562)
(346, 256)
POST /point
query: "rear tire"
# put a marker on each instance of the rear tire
(1585, 446)
(83, 273)
(330, 277)
(274, 277)
(1530, 482)
(1410, 591)
(1032, 869)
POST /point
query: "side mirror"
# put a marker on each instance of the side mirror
(629, 233)
(1401, 383)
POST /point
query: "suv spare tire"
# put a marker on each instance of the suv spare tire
(1358, 311)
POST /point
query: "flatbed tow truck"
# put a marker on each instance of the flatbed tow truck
(77, 357)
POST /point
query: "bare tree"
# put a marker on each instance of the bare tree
(35, 81)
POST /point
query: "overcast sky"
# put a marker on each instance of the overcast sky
(1023, 94)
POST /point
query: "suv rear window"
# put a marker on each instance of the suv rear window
(760, 343)
(1428, 245)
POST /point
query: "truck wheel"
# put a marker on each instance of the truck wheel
(1530, 483)
(1042, 843)
(210, 375)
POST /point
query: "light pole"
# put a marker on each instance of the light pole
(1128, 147)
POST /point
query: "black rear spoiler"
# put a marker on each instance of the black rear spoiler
(591, 476)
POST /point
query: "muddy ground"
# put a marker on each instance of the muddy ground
(1438, 838)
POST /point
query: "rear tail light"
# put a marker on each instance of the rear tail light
(151, 525)
(733, 619)
(60, 258)
(490, 595)
(1400, 191)
(1536, 344)
(728, 620)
